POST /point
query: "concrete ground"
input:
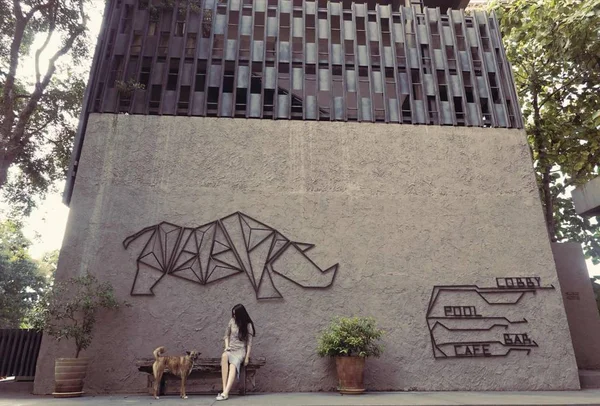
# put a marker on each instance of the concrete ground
(584, 397)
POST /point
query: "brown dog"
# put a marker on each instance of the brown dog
(178, 366)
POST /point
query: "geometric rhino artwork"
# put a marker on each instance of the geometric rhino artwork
(224, 248)
(469, 321)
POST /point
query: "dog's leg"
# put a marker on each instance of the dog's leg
(155, 388)
(157, 381)
(183, 380)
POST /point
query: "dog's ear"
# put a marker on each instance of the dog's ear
(188, 353)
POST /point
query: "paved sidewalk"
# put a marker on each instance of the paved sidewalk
(584, 397)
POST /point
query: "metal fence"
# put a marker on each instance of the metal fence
(19, 352)
(305, 60)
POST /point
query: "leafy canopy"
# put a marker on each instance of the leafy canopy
(554, 48)
(43, 45)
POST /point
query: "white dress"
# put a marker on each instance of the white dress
(237, 348)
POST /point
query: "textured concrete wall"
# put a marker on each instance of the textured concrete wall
(402, 208)
(580, 304)
(587, 198)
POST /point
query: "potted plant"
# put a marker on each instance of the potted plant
(127, 88)
(350, 340)
(68, 311)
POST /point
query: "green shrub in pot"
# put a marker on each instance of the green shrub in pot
(350, 340)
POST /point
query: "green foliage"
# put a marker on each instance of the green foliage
(554, 47)
(69, 309)
(351, 336)
(126, 88)
(40, 94)
(21, 282)
(161, 6)
(48, 264)
(156, 8)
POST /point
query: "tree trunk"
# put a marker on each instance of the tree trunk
(548, 204)
(543, 166)
(8, 97)
(5, 163)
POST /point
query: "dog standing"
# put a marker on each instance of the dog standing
(178, 366)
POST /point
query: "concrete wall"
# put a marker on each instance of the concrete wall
(580, 304)
(586, 198)
(402, 208)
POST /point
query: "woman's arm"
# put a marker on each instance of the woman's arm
(227, 334)
(249, 345)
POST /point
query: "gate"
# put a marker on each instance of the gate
(18, 353)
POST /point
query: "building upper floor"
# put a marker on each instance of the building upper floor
(375, 61)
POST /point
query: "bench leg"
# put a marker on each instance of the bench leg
(253, 379)
(243, 381)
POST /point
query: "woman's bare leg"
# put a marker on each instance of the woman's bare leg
(232, 373)
(224, 369)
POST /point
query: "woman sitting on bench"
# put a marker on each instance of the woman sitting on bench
(238, 343)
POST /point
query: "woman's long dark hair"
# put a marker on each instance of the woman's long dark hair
(242, 319)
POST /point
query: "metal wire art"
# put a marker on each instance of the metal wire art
(459, 313)
(224, 248)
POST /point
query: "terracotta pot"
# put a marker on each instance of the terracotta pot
(350, 372)
(69, 374)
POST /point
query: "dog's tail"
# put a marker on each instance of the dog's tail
(158, 351)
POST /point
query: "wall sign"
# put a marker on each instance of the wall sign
(572, 295)
(469, 321)
(225, 248)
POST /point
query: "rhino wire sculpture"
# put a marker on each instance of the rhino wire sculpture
(221, 249)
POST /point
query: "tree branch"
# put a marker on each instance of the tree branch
(82, 12)
(17, 10)
(43, 47)
(41, 87)
(40, 129)
(37, 8)
(7, 93)
(560, 89)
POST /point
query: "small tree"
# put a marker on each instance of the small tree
(350, 336)
(69, 309)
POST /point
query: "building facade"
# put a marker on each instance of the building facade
(312, 159)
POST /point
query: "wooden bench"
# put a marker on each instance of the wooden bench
(203, 367)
